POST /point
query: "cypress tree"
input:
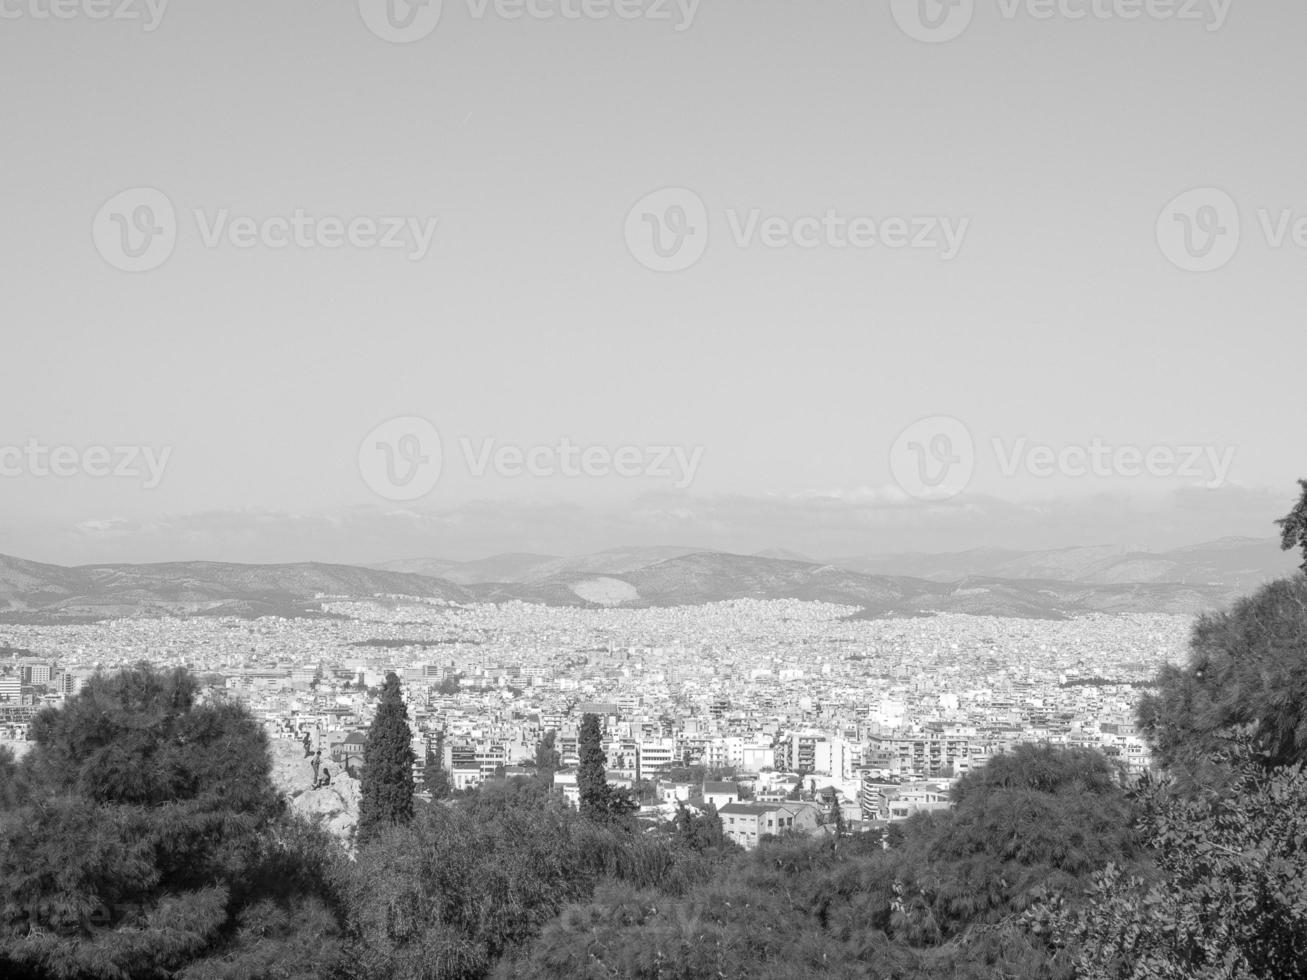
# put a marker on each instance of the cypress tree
(599, 801)
(387, 783)
(591, 776)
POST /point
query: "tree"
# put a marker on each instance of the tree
(1226, 898)
(386, 793)
(599, 801)
(699, 832)
(462, 887)
(591, 775)
(841, 829)
(142, 834)
(449, 684)
(1247, 673)
(548, 758)
(1293, 526)
(434, 777)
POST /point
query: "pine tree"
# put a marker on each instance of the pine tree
(1293, 526)
(387, 783)
(140, 834)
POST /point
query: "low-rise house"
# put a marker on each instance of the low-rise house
(748, 823)
(720, 794)
(348, 752)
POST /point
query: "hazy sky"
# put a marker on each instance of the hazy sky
(981, 233)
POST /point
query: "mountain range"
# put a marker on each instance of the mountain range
(998, 582)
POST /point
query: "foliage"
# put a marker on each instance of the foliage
(700, 832)
(386, 790)
(1228, 897)
(464, 886)
(945, 900)
(600, 801)
(450, 684)
(142, 836)
(1247, 673)
(1293, 526)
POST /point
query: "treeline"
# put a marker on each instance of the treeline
(142, 838)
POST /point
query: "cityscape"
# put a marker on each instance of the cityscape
(742, 703)
(652, 490)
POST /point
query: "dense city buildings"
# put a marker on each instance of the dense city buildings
(754, 706)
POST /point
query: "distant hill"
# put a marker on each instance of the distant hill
(784, 554)
(715, 576)
(511, 568)
(1040, 585)
(1238, 565)
(195, 588)
(498, 568)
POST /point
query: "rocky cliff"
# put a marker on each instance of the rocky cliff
(336, 806)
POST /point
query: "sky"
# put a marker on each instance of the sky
(362, 280)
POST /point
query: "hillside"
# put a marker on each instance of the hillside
(196, 588)
(1040, 585)
(1237, 565)
(715, 576)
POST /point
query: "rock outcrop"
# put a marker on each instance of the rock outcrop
(335, 807)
